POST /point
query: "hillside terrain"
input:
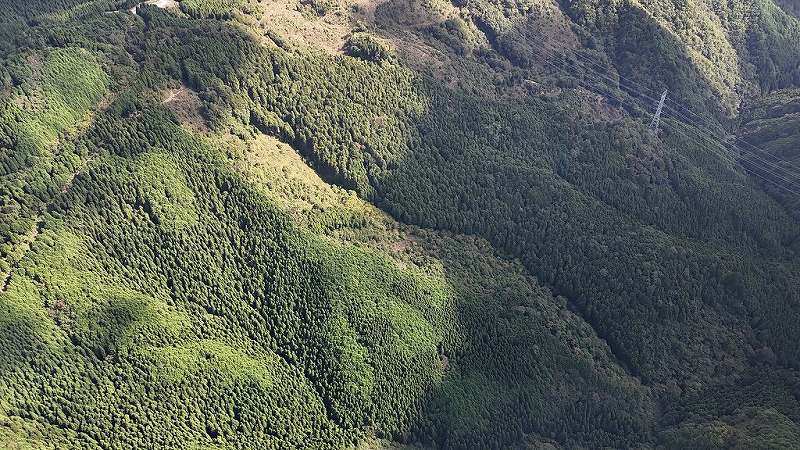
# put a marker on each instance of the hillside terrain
(385, 224)
(790, 6)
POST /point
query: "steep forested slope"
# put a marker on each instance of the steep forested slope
(790, 6)
(177, 278)
(772, 125)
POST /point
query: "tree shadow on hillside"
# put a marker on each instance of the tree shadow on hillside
(667, 305)
(528, 370)
(662, 304)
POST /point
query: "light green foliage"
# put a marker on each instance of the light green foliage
(97, 306)
(170, 300)
(696, 45)
(710, 55)
(609, 216)
(364, 108)
(211, 8)
(236, 307)
(51, 101)
(166, 195)
(53, 96)
(494, 299)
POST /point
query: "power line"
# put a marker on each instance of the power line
(677, 113)
(746, 169)
(723, 156)
(759, 160)
(774, 163)
(723, 147)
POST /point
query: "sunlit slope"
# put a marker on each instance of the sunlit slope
(183, 293)
(554, 188)
(193, 295)
(230, 281)
(50, 99)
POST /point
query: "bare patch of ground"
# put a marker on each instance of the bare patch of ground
(401, 245)
(298, 23)
(163, 3)
(173, 93)
(186, 105)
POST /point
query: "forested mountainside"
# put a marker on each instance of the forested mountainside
(772, 123)
(399, 224)
(790, 6)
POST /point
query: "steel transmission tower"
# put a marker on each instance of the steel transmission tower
(657, 116)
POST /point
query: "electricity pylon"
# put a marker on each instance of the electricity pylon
(657, 116)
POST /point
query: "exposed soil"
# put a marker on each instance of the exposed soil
(299, 25)
(187, 106)
(163, 3)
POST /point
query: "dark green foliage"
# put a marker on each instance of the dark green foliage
(266, 305)
(33, 9)
(579, 201)
(40, 108)
(768, 136)
(221, 9)
(186, 291)
(554, 211)
(772, 46)
(366, 47)
(161, 273)
(277, 39)
(710, 56)
(319, 7)
(160, 278)
(790, 6)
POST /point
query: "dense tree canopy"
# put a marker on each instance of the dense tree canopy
(158, 295)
